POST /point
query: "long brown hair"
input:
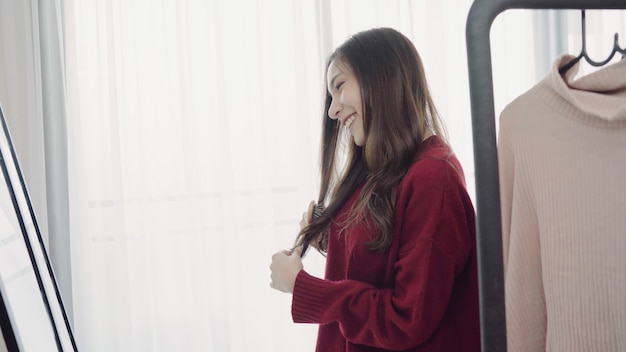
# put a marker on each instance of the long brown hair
(398, 112)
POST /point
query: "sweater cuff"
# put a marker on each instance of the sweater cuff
(308, 301)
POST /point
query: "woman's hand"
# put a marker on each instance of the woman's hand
(285, 267)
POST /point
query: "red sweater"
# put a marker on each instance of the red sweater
(419, 295)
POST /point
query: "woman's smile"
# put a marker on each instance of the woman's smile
(348, 122)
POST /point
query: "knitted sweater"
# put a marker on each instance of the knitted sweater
(419, 295)
(562, 160)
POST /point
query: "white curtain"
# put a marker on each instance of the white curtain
(193, 140)
(192, 134)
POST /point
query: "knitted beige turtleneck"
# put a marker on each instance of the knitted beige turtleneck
(562, 161)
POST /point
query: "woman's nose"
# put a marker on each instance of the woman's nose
(333, 110)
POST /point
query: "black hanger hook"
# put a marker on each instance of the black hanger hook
(583, 52)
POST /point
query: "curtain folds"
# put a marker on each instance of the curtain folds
(51, 37)
(192, 139)
(32, 93)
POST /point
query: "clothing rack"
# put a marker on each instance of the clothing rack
(489, 231)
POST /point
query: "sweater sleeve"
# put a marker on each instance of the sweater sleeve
(433, 230)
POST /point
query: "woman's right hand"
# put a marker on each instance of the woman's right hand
(284, 269)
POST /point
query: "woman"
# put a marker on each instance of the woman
(398, 227)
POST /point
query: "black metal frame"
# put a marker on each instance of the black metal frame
(10, 343)
(489, 230)
(13, 189)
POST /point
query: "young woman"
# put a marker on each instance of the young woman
(398, 227)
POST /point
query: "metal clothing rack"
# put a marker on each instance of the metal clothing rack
(489, 231)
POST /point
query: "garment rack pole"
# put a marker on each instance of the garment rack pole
(489, 232)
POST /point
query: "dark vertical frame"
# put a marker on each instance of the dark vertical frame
(7, 329)
(20, 219)
(489, 230)
(47, 297)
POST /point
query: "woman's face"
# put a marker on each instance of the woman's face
(345, 94)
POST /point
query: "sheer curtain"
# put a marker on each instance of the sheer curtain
(193, 140)
(192, 137)
(192, 131)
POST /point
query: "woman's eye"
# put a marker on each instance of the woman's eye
(338, 85)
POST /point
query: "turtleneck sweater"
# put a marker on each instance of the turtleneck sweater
(562, 164)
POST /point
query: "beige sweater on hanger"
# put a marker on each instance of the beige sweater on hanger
(562, 161)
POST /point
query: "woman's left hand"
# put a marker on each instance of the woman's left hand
(285, 267)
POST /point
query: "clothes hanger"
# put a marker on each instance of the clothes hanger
(583, 52)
